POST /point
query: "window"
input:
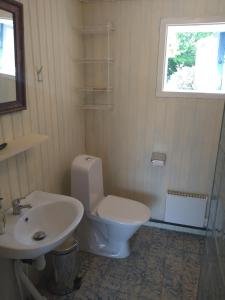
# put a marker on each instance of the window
(7, 56)
(191, 59)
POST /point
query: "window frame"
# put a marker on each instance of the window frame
(162, 58)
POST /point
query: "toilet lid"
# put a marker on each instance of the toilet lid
(123, 210)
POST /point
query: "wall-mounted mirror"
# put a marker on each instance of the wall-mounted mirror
(12, 70)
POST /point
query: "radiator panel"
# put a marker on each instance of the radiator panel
(186, 208)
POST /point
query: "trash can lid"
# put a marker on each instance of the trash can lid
(68, 246)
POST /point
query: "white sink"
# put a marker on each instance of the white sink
(55, 215)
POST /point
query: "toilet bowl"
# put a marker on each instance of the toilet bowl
(109, 222)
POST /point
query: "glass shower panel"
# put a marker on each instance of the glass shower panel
(212, 276)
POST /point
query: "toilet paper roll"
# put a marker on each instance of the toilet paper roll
(158, 163)
(158, 159)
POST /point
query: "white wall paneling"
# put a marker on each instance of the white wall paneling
(187, 130)
(52, 42)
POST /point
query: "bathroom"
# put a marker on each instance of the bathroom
(123, 119)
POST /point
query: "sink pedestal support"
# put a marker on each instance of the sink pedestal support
(23, 280)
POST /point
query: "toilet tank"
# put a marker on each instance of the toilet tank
(87, 181)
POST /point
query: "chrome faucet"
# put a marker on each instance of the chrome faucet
(17, 207)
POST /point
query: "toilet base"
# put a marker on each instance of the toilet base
(96, 237)
(121, 250)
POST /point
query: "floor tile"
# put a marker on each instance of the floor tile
(175, 243)
(193, 244)
(163, 265)
(173, 279)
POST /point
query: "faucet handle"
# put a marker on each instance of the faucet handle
(17, 207)
(17, 201)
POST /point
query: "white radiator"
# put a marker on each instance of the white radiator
(186, 208)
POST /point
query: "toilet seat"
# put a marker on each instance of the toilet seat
(123, 210)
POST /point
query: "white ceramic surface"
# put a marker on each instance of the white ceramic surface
(109, 222)
(56, 215)
(123, 210)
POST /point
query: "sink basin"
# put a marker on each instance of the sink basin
(54, 216)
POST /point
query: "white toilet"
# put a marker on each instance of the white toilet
(108, 222)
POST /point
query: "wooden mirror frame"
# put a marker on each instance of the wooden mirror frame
(16, 9)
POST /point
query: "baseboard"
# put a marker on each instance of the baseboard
(176, 227)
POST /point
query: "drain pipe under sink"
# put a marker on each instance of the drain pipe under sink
(23, 280)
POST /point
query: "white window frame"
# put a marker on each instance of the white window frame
(162, 58)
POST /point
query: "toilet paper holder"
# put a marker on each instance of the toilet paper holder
(158, 159)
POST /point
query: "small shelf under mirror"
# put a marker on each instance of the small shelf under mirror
(21, 144)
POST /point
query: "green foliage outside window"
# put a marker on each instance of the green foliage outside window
(186, 51)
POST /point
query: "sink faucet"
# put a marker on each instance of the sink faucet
(17, 207)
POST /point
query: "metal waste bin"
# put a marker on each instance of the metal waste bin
(64, 267)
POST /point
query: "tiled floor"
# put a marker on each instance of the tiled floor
(163, 265)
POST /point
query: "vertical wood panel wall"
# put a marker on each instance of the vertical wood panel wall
(187, 130)
(51, 41)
